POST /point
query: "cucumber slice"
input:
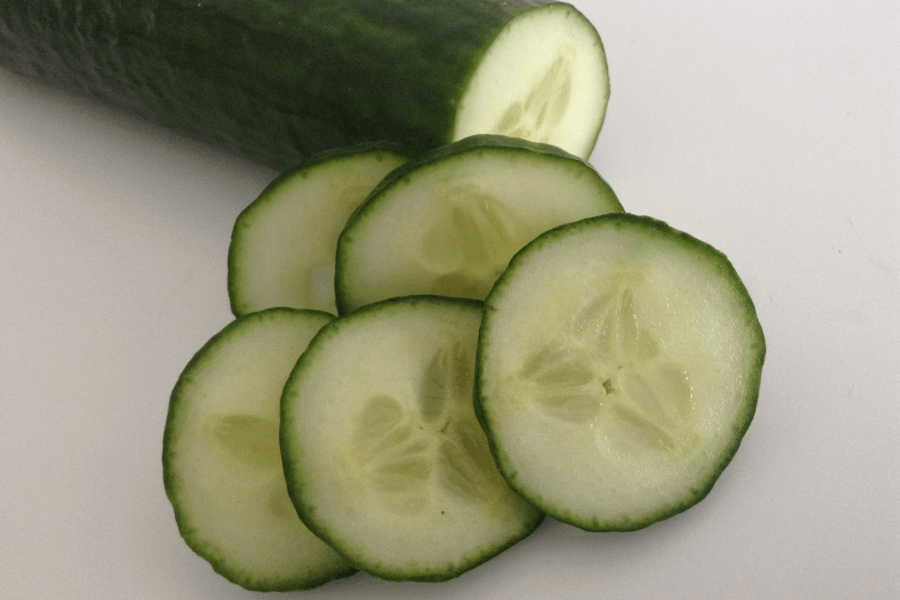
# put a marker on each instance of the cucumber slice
(383, 455)
(221, 460)
(280, 80)
(619, 367)
(447, 222)
(283, 244)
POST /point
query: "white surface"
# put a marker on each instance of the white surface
(770, 130)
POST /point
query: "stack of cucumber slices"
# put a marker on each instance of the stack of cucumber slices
(434, 349)
(510, 344)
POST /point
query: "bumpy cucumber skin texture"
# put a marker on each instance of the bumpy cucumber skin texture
(236, 298)
(273, 80)
(294, 477)
(739, 427)
(170, 479)
(487, 143)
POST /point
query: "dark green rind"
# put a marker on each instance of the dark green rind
(482, 143)
(294, 476)
(273, 80)
(170, 477)
(739, 428)
(301, 170)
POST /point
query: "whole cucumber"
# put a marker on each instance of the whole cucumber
(278, 80)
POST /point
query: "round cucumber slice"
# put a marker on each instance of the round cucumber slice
(448, 221)
(383, 455)
(283, 244)
(221, 459)
(619, 367)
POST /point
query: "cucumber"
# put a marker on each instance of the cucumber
(283, 244)
(619, 365)
(221, 461)
(448, 221)
(383, 455)
(280, 80)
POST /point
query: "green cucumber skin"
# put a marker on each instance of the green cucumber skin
(273, 80)
(481, 142)
(740, 427)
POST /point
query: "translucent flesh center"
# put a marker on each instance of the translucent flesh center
(411, 453)
(248, 440)
(536, 116)
(608, 373)
(470, 244)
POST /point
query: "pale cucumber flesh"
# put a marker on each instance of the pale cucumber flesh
(222, 461)
(610, 374)
(450, 223)
(384, 456)
(469, 242)
(283, 244)
(403, 452)
(619, 369)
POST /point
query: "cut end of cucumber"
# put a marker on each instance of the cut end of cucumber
(544, 79)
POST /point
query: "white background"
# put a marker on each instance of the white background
(770, 130)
